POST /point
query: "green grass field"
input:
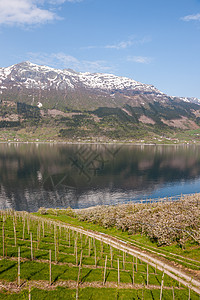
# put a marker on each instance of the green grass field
(36, 236)
(189, 254)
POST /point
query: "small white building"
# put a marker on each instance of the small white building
(39, 104)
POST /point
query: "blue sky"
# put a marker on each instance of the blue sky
(152, 41)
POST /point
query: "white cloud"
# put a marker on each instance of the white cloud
(140, 59)
(132, 41)
(62, 61)
(96, 66)
(121, 45)
(63, 1)
(195, 17)
(23, 12)
(29, 12)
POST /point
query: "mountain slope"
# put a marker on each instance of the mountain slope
(60, 88)
(87, 104)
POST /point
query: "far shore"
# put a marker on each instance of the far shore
(100, 143)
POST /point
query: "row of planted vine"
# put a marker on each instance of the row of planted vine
(35, 248)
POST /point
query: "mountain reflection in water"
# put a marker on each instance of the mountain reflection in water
(42, 175)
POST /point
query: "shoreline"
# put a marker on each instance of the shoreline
(167, 199)
(98, 143)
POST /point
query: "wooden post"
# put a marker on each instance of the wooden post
(49, 266)
(81, 257)
(28, 227)
(23, 230)
(133, 271)
(161, 288)
(79, 269)
(43, 229)
(147, 274)
(95, 256)
(89, 247)
(104, 276)
(15, 237)
(136, 264)
(39, 234)
(3, 237)
(118, 271)
(173, 293)
(55, 231)
(29, 293)
(31, 246)
(76, 292)
(189, 294)
(55, 246)
(75, 245)
(143, 293)
(76, 255)
(111, 257)
(123, 261)
(18, 274)
(66, 236)
(86, 240)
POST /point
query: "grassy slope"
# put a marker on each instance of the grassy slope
(35, 270)
(101, 125)
(100, 294)
(191, 252)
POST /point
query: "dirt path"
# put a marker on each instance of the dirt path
(165, 253)
(13, 287)
(170, 270)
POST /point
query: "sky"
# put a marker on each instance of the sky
(152, 41)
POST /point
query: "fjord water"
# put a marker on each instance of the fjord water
(82, 175)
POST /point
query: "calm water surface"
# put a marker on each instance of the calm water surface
(39, 175)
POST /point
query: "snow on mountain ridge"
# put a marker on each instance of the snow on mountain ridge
(45, 77)
(188, 99)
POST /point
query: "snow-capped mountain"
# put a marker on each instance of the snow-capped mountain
(33, 83)
(50, 88)
(190, 100)
(30, 75)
